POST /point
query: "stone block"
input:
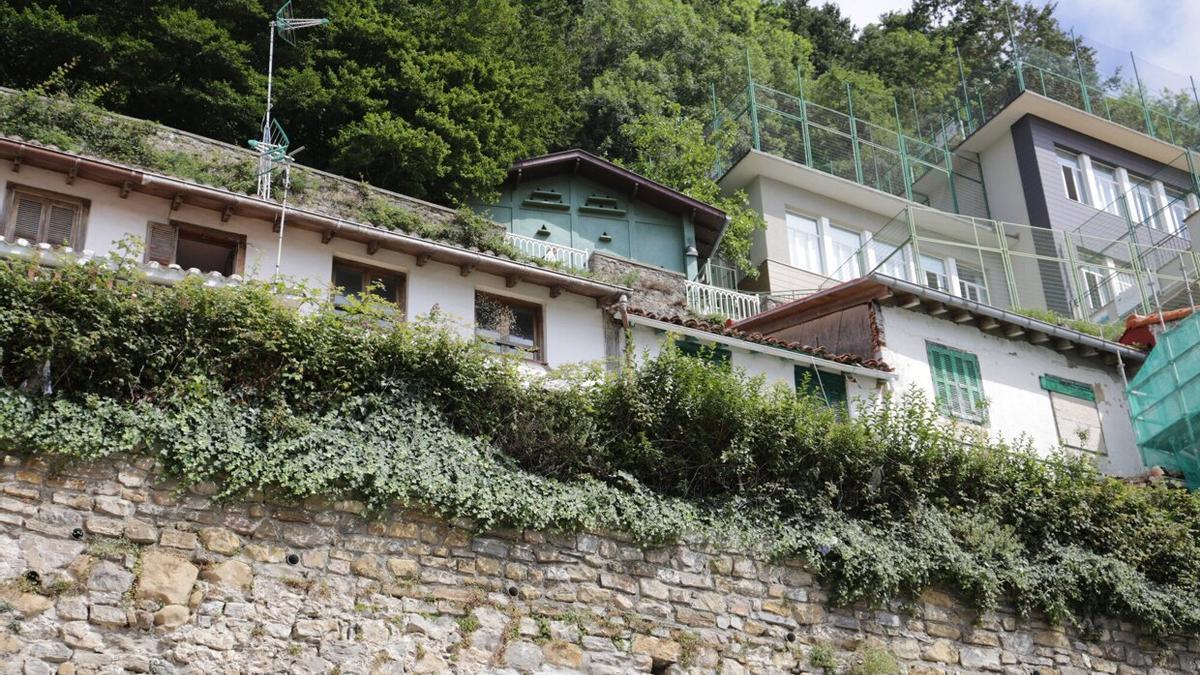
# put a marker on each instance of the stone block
(166, 578)
(564, 654)
(171, 616)
(177, 539)
(231, 574)
(220, 540)
(111, 617)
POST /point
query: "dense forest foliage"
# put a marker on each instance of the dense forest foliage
(436, 99)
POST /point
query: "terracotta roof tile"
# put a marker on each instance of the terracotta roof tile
(758, 338)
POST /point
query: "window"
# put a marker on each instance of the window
(192, 246)
(830, 387)
(714, 354)
(971, 284)
(844, 248)
(890, 259)
(957, 386)
(804, 242)
(1109, 188)
(1075, 414)
(1072, 173)
(1095, 286)
(351, 280)
(1177, 206)
(509, 326)
(1148, 210)
(934, 270)
(44, 217)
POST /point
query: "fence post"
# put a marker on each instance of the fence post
(1142, 95)
(1195, 96)
(1073, 277)
(949, 166)
(912, 237)
(804, 134)
(858, 170)
(754, 132)
(902, 146)
(1193, 170)
(962, 75)
(1083, 88)
(1134, 261)
(1012, 37)
(1006, 260)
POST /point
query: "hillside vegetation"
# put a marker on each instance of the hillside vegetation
(436, 99)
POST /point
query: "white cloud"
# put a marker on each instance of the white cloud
(1158, 32)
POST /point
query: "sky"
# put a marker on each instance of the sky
(1160, 32)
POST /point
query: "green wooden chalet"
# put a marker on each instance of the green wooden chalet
(577, 200)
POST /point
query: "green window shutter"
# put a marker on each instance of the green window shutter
(1067, 387)
(829, 386)
(957, 385)
(715, 354)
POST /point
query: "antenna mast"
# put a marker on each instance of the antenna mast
(273, 144)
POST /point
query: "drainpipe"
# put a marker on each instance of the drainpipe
(623, 310)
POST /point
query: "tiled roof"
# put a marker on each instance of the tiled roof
(758, 338)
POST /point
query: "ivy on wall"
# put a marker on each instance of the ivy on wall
(234, 386)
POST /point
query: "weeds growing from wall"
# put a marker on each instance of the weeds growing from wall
(236, 387)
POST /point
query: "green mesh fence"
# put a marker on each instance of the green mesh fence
(1164, 401)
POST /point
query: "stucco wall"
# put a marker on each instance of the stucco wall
(572, 323)
(136, 575)
(1010, 370)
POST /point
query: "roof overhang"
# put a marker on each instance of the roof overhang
(1088, 124)
(709, 221)
(127, 179)
(750, 346)
(894, 292)
(755, 164)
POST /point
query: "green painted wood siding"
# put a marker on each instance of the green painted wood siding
(957, 385)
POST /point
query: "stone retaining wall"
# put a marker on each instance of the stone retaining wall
(104, 568)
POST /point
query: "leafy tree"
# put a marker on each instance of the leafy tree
(831, 34)
(672, 149)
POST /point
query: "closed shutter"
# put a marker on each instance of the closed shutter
(1075, 414)
(160, 243)
(27, 217)
(957, 385)
(60, 224)
(831, 387)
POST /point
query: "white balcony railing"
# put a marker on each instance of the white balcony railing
(576, 258)
(706, 300)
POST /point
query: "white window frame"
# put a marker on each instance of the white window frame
(794, 253)
(901, 258)
(1102, 201)
(836, 267)
(830, 265)
(1073, 161)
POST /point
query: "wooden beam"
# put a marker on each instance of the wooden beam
(935, 309)
(1013, 331)
(73, 173)
(556, 291)
(511, 280)
(1063, 345)
(126, 188)
(326, 236)
(1088, 352)
(423, 258)
(276, 223)
(907, 301)
(177, 201)
(465, 270)
(962, 317)
(227, 213)
(987, 323)
(1039, 338)
(16, 163)
(373, 247)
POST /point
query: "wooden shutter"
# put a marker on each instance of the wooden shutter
(829, 386)
(160, 243)
(957, 385)
(27, 217)
(60, 224)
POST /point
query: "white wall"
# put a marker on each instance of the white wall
(1010, 371)
(573, 325)
(1006, 195)
(775, 370)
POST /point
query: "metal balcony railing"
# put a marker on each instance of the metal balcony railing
(706, 300)
(575, 258)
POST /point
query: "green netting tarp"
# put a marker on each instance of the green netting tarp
(1164, 400)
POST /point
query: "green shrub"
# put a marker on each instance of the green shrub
(233, 386)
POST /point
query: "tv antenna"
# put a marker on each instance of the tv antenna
(272, 147)
(275, 153)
